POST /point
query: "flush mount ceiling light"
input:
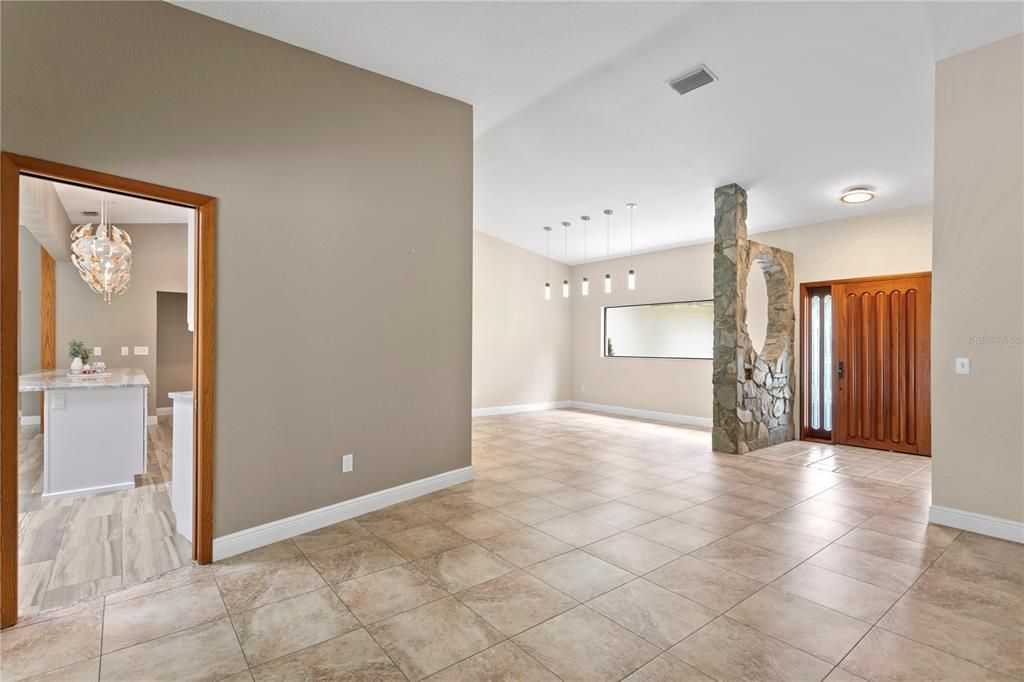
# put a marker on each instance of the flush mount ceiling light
(103, 255)
(857, 195)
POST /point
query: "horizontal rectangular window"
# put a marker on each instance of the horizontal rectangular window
(660, 330)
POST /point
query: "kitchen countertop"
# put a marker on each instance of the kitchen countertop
(50, 379)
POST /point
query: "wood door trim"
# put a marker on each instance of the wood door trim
(47, 321)
(859, 280)
(12, 166)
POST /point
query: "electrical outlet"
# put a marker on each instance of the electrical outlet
(583, 389)
(58, 401)
(141, 350)
(97, 351)
(346, 464)
(963, 365)
(124, 350)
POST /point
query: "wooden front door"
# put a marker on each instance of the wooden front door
(882, 363)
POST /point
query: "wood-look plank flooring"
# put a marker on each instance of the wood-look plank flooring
(72, 548)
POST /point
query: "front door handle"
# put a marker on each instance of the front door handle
(840, 369)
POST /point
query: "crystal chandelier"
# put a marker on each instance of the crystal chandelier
(103, 255)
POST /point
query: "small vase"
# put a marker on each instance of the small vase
(76, 365)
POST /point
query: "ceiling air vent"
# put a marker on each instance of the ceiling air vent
(692, 80)
(90, 214)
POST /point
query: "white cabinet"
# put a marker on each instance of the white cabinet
(182, 463)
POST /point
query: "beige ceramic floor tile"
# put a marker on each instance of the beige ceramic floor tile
(668, 668)
(580, 575)
(992, 549)
(707, 584)
(808, 626)
(463, 567)
(279, 551)
(526, 546)
(393, 519)
(577, 529)
(808, 524)
(884, 573)
(620, 515)
(131, 622)
(334, 535)
(583, 645)
(354, 656)
(350, 561)
(679, 536)
(85, 671)
(48, 645)
(713, 520)
(890, 547)
(780, 541)
(836, 591)
(973, 569)
(205, 652)
(747, 560)
(515, 602)
(432, 637)
(925, 533)
(531, 510)
(987, 645)
(483, 524)
(421, 541)
(661, 617)
(263, 585)
(386, 593)
(970, 599)
(882, 655)
(632, 552)
(503, 661)
(286, 626)
(728, 650)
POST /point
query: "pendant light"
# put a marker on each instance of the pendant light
(631, 277)
(103, 255)
(608, 247)
(585, 283)
(565, 257)
(547, 284)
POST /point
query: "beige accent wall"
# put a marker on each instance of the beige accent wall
(888, 242)
(159, 263)
(978, 286)
(344, 234)
(521, 342)
(173, 346)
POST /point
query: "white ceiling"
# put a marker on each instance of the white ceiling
(121, 209)
(573, 114)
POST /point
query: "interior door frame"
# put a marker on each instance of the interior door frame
(805, 333)
(12, 167)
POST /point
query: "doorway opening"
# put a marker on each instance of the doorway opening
(86, 436)
(866, 362)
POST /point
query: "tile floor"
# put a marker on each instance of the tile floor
(588, 548)
(71, 548)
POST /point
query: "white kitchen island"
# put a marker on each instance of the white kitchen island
(94, 436)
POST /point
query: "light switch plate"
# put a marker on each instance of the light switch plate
(97, 351)
(124, 350)
(963, 365)
(141, 350)
(346, 464)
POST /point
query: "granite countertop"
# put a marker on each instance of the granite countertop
(50, 379)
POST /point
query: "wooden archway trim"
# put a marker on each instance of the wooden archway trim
(12, 167)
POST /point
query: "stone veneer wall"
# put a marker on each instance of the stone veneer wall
(753, 391)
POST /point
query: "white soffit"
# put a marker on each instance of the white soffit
(121, 209)
(573, 113)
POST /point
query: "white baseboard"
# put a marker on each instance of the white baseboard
(993, 526)
(672, 417)
(89, 491)
(165, 411)
(513, 409)
(30, 421)
(275, 531)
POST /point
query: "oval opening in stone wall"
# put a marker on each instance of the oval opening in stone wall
(757, 306)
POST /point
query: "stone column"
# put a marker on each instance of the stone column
(753, 392)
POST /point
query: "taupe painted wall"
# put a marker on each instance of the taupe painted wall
(978, 286)
(28, 311)
(344, 240)
(520, 341)
(874, 244)
(173, 346)
(159, 263)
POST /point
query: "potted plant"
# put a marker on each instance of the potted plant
(79, 355)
